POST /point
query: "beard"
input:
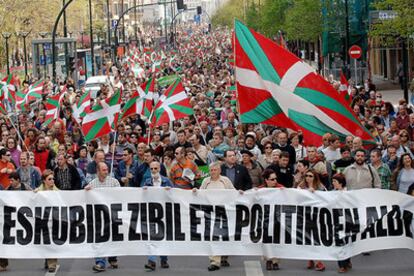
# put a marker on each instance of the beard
(360, 162)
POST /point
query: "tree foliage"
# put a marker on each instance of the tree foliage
(304, 20)
(40, 15)
(299, 19)
(401, 26)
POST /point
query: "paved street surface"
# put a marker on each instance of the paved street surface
(397, 262)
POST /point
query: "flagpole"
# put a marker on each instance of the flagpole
(18, 132)
(202, 134)
(113, 151)
(149, 126)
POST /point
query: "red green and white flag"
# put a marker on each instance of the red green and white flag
(81, 107)
(174, 104)
(8, 87)
(344, 89)
(102, 118)
(276, 88)
(20, 98)
(141, 101)
(35, 91)
(52, 105)
(3, 110)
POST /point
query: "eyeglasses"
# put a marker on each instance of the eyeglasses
(268, 147)
(309, 175)
(404, 135)
(154, 169)
(8, 154)
(272, 179)
(379, 97)
(139, 130)
(50, 178)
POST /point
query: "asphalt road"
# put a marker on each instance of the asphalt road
(390, 262)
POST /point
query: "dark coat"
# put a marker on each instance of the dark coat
(75, 180)
(242, 178)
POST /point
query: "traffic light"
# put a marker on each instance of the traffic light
(180, 4)
(199, 10)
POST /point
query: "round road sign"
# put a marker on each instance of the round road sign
(355, 52)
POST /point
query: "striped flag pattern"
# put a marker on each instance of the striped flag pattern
(172, 105)
(276, 88)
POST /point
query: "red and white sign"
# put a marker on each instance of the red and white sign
(355, 52)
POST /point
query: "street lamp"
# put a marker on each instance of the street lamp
(6, 36)
(43, 35)
(24, 35)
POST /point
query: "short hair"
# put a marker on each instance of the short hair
(3, 151)
(150, 151)
(97, 151)
(226, 151)
(344, 149)
(340, 178)
(267, 172)
(46, 173)
(284, 154)
(215, 164)
(377, 152)
(181, 131)
(99, 165)
(129, 150)
(333, 138)
(304, 162)
(360, 150)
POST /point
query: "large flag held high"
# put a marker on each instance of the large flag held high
(277, 88)
(174, 104)
(102, 118)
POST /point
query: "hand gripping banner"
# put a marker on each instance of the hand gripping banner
(287, 223)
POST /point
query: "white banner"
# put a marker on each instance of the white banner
(288, 223)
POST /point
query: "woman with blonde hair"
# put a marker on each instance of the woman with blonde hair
(48, 184)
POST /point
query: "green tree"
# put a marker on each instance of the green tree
(400, 26)
(304, 20)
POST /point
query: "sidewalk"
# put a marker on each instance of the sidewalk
(390, 90)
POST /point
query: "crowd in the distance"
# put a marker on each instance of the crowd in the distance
(210, 150)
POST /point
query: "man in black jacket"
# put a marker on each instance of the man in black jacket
(66, 175)
(238, 174)
(282, 144)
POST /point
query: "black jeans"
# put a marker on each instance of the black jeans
(344, 263)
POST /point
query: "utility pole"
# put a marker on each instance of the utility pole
(346, 56)
(91, 38)
(405, 67)
(6, 36)
(65, 34)
(108, 22)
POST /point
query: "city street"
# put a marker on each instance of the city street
(398, 262)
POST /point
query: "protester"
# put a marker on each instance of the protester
(103, 180)
(339, 184)
(157, 180)
(48, 184)
(216, 182)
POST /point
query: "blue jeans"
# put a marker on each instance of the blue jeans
(154, 258)
(102, 261)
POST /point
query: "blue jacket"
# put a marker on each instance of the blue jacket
(143, 173)
(165, 182)
(121, 170)
(35, 178)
